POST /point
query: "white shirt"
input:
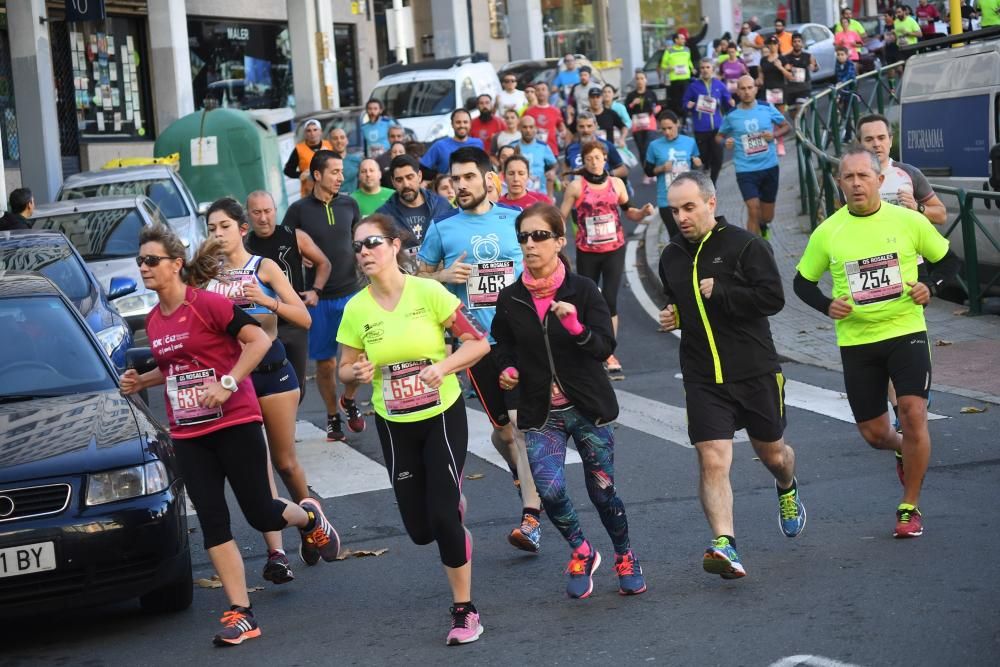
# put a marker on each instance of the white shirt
(512, 100)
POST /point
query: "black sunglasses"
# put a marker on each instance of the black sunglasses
(150, 260)
(537, 236)
(370, 242)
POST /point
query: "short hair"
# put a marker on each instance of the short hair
(319, 161)
(777, 21)
(700, 178)
(857, 149)
(585, 115)
(667, 114)
(586, 68)
(592, 146)
(874, 118)
(840, 49)
(458, 111)
(796, 35)
(517, 157)
(259, 193)
(374, 100)
(472, 154)
(706, 61)
(486, 95)
(404, 160)
(19, 200)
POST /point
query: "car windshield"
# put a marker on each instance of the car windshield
(53, 356)
(55, 262)
(417, 98)
(162, 191)
(107, 234)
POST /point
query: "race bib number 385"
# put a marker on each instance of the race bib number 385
(403, 391)
(874, 279)
(184, 391)
(486, 281)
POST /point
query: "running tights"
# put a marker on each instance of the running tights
(425, 461)
(607, 270)
(711, 152)
(642, 140)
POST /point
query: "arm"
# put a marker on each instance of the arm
(321, 264)
(595, 336)
(354, 366)
(292, 165)
(569, 199)
(505, 349)
(810, 293)
(288, 302)
(942, 272)
(632, 212)
(757, 290)
(456, 274)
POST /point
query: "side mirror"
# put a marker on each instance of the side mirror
(140, 358)
(203, 207)
(121, 286)
(470, 103)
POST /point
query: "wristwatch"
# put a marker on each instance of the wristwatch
(921, 208)
(228, 383)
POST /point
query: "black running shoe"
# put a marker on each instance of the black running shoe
(334, 429)
(277, 570)
(355, 420)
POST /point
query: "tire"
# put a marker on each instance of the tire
(175, 596)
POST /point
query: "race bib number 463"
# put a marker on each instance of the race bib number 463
(486, 281)
(874, 279)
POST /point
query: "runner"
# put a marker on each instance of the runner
(352, 161)
(370, 193)
(608, 121)
(548, 120)
(397, 135)
(297, 165)
(772, 80)
(643, 106)
(436, 160)
(732, 378)
(486, 124)
(705, 99)
(732, 68)
(751, 128)
(677, 66)
(376, 131)
(870, 248)
(510, 98)
(801, 65)
(393, 337)
(783, 37)
(586, 130)
(542, 172)
(669, 156)
(484, 233)
(553, 332)
(509, 135)
(205, 348)
(442, 187)
(608, 99)
(516, 175)
(412, 207)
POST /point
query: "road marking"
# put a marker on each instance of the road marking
(333, 468)
(811, 661)
(657, 419)
(635, 284)
(480, 444)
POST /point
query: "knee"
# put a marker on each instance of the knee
(267, 518)
(215, 533)
(713, 461)
(912, 410)
(421, 537)
(878, 433)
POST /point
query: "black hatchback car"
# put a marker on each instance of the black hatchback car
(91, 506)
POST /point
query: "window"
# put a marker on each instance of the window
(661, 19)
(417, 98)
(96, 235)
(568, 27)
(57, 263)
(162, 191)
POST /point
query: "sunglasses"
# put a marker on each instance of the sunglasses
(370, 242)
(510, 80)
(150, 260)
(537, 236)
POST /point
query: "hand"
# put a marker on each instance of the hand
(458, 272)
(668, 318)
(509, 378)
(131, 382)
(252, 291)
(665, 168)
(919, 292)
(215, 395)
(906, 199)
(309, 297)
(730, 142)
(839, 308)
(562, 309)
(363, 369)
(432, 376)
(705, 287)
(648, 210)
(768, 136)
(690, 105)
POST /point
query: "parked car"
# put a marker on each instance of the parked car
(423, 95)
(92, 508)
(545, 70)
(52, 255)
(818, 40)
(105, 231)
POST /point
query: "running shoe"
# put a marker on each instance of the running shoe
(334, 429)
(613, 365)
(630, 579)
(721, 559)
(899, 468)
(465, 625)
(909, 522)
(277, 570)
(581, 572)
(239, 626)
(320, 542)
(791, 512)
(527, 536)
(355, 420)
(765, 231)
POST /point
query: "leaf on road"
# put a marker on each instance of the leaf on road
(960, 312)
(475, 475)
(214, 582)
(941, 343)
(254, 589)
(360, 553)
(970, 410)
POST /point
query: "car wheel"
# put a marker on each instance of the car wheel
(175, 596)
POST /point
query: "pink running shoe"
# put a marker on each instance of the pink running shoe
(465, 625)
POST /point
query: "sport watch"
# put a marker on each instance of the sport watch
(228, 383)
(921, 208)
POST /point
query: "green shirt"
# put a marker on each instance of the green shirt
(370, 203)
(854, 25)
(871, 258)
(990, 10)
(400, 343)
(677, 61)
(908, 24)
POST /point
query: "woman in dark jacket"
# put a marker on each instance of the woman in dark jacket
(553, 331)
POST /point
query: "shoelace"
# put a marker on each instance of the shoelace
(789, 508)
(461, 618)
(626, 567)
(905, 515)
(318, 535)
(720, 543)
(577, 566)
(232, 617)
(530, 522)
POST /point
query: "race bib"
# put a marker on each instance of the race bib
(230, 285)
(924, 22)
(874, 279)
(706, 104)
(775, 96)
(375, 151)
(640, 121)
(535, 183)
(542, 136)
(184, 391)
(680, 70)
(602, 134)
(601, 229)
(486, 281)
(799, 74)
(754, 143)
(402, 390)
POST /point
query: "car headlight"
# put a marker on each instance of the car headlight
(111, 338)
(125, 483)
(136, 304)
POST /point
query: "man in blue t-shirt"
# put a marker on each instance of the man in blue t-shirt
(567, 78)
(666, 157)
(586, 130)
(541, 173)
(375, 132)
(435, 161)
(750, 129)
(477, 246)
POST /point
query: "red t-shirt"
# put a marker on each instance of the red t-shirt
(547, 120)
(193, 348)
(484, 131)
(526, 200)
(926, 17)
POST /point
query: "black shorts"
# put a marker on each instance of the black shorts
(906, 360)
(485, 377)
(274, 374)
(717, 411)
(762, 185)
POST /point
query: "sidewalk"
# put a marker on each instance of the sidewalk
(967, 366)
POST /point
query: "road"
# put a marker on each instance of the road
(844, 592)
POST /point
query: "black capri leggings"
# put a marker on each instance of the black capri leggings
(238, 454)
(296, 341)
(711, 152)
(425, 461)
(607, 269)
(668, 221)
(642, 140)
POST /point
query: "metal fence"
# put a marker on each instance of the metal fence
(821, 136)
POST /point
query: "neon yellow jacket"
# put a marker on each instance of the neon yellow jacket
(677, 59)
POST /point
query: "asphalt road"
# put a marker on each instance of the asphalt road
(843, 592)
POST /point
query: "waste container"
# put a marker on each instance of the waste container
(225, 153)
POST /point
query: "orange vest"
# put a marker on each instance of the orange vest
(785, 43)
(305, 154)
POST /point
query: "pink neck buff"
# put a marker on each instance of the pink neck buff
(543, 290)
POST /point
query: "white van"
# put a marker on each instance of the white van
(422, 96)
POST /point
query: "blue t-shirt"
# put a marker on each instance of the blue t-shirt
(746, 126)
(376, 135)
(575, 162)
(437, 155)
(489, 242)
(681, 151)
(352, 163)
(566, 78)
(542, 159)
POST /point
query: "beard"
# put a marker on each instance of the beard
(469, 205)
(486, 116)
(409, 195)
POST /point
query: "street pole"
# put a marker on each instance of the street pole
(955, 11)
(397, 6)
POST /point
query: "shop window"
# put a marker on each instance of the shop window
(569, 27)
(661, 19)
(8, 114)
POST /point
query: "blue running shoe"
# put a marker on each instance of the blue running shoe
(630, 579)
(721, 559)
(791, 512)
(581, 572)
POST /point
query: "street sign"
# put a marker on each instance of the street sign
(85, 10)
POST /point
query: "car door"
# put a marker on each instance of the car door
(819, 42)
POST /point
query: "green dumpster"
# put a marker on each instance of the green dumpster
(225, 153)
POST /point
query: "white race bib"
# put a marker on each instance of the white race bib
(799, 74)
(754, 143)
(640, 121)
(403, 391)
(775, 96)
(706, 104)
(486, 281)
(601, 229)
(680, 70)
(184, 391)
(874, 279)
(732, 85)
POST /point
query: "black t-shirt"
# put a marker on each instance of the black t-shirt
(282, 248)
(607, 121)
(800, 61)
(416, 220)
(331, 226)
(772, 73)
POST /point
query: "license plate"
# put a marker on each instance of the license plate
(28, 559)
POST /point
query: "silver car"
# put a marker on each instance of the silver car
(818, 41)
(105, 231)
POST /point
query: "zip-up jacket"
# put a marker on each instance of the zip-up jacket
(437, 207)
(707, 122)
(725, 338)
(543, 352)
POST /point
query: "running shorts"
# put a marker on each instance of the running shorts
(717, 411)
(906, 360)
(274, 374)
(762, 185)
(326, 316)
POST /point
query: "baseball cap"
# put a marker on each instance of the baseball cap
(594, 92)
(311, 121)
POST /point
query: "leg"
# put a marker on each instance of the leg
(915, 445)
(529, 494)
(402, 449)
(279, 412)
(766, 213)
(547, 456)
(716, 151)
(296, 342)
(715, 457)
(753, 215)
(668, 221)
(326, 382)
(778, 458)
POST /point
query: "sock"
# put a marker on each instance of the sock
(465, 606)
(732, 540)
(793, 487)
(309, 527)
(583, 549)
(248, 610)
(276, 551)
(532, 511)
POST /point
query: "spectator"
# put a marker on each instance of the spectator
(927, 16)
(297, 165)
(849, 39)
(435, 160)
(376, 131)
(567, 78)
(370, 193)
(338, 143)
(20, 207)
(784, 37)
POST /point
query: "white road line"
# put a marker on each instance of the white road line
(480, 444)
(658, 419)
(810, 661)
(334, 469)
(635, 284)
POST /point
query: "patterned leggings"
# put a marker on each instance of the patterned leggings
(596, 444)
